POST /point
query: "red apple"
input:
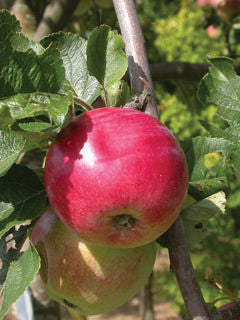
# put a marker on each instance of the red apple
(84, 277)
(226, 8)
(213, 32)
(203, 3)
(117, 177)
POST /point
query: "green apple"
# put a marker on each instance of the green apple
(84, 277)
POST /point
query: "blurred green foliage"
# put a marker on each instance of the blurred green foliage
(216, 263)
(183, 37)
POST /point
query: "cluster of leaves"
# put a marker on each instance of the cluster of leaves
(180, 34)
(182, 117)
(221, 86)
(216, 264)
(214, 156)
(184, 35)
(41, 87)
(183, 32)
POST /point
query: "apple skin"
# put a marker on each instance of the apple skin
(117, 177)
(213, 32)
(87, 278)
(204, 3)
(225, 8)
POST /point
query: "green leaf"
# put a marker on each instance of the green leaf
(214, 131)
(186, 92)
(72, 49)
(20, 273)
(8, 26)
(19, 42)
(38, 127)
(232, 135)
(221, 87)
(235, 159)
(25, 72)
(196, 216)
(26, 66)
(10, 246)
(105, 57)
(233, 200)
(11, 146)
(207, 180)
(22, 197)
(21, 106)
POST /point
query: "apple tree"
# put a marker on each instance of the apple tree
(46, 85)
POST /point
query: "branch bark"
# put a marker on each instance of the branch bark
(181, 265)
(6, 4)
(228, 314)
(178, 70)
(56, 15)
(140, 79)
(139, 72)
(25, 16)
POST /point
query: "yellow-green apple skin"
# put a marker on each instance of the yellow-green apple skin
(87, 278)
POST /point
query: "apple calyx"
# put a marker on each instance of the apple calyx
(124, 221)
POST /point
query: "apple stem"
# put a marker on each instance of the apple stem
(105, 96)
(124, 221)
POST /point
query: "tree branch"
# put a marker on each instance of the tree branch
(228, 314)
(6, 4)
(181, 265)
(141, 81)
(55, 16)
(139, 72)
(178, 70)
(25, 16)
